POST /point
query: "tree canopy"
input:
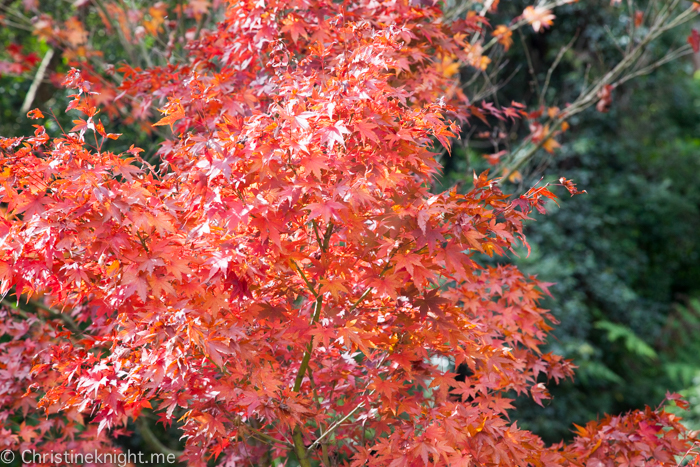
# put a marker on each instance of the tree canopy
(283, 281)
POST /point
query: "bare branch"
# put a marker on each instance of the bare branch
(333, 427)
(560, 55)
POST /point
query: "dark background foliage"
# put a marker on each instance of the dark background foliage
(624, 257)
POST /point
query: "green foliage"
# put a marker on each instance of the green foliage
(625, 257)
(633, 343)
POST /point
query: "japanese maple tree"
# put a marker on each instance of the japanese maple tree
(284, 283)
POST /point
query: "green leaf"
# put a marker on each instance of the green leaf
(633, 343)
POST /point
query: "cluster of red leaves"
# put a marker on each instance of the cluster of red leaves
(28, 357)
(18, 62)
(286, 275)
(648, 437)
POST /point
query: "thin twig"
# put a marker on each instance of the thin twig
(263, 436)
(560, 55)
(334, 426)
(531, 67)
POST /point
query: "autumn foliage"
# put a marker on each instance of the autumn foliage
(285, 284)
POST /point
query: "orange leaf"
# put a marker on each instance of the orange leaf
(538, 17)
(36, 113)
(173, 111)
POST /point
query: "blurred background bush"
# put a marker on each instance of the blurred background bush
(624, 257)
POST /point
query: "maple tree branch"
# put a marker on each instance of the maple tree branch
(679, 52)
(560, 55)
(614, 78)
(369, 289)
(264, 437)
(181, 18)
(19, 310)
(17, 25)
(143, 242)
(200, 23)
(348, 415)
(324, 455)
(308, 284)
(142, 45)
(24, 24)
(317, 311)
(530, 66)
(327, 237)
(318, 237)
(313, 384)
(303, 368)
(67, 319)
(221, 368)
(252, 431)
(152, 440)
(694, 445)
(359, 300)
(333, 427)
(310, 347)
(523, 22)
(38, 78)
(301, 452)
